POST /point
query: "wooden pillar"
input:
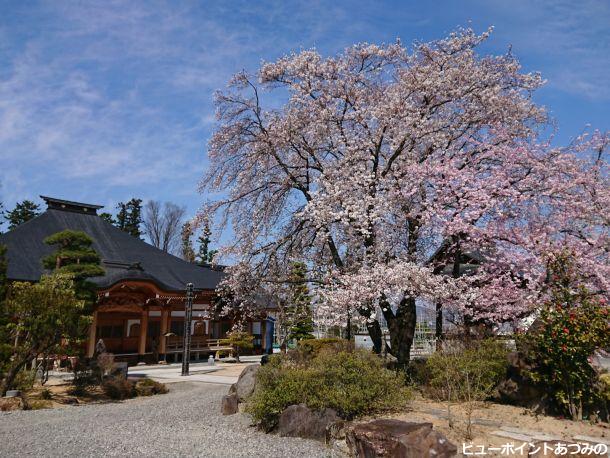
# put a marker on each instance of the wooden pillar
(143, 335)
(165, 316)
(91, 341)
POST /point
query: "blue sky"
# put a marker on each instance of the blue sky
(102, 101)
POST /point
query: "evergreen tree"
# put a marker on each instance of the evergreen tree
(188, 253)
(108, 217)
(5, 344)
(3, 278)
(23, 211)
(300, 304)
(205, 255)
(76, 257)
(129, 217)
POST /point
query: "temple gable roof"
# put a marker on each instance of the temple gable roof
(124, 257)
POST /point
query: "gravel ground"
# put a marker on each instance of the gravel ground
(184, 422)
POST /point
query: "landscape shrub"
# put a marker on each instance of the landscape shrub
(148, 387)
(573, 323)
(119, 388)
(455, 371)
(46, 394)
(467, 374)
(353, 383)
(418, 372)
(24, 380)
(604, 381)
(84, 380)
(310, 348)
(240, 341)
(37, 404)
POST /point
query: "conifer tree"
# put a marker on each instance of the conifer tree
(23, 211)
(129, 217)
(108, 217)
(205, 255)
(188, 253)
(302, 317)
(3, 278)
(76, 257)
(5, 346)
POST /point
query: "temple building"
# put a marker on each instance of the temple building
(139, 314)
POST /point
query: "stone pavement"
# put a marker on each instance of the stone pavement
(220, 373)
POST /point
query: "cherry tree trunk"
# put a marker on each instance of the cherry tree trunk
(402, 331)
(376, 335)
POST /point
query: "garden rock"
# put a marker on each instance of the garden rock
(398, 439)
(300, 421)
(336, 430)
(230, 404)
(519, 389)
(246, 382)
(119, 370)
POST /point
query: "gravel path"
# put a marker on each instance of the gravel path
(184, 422)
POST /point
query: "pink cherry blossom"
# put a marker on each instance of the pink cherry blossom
(364, 163)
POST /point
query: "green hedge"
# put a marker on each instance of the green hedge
(354, 383)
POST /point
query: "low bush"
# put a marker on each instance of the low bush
(148, 387)
(353, 383)
(83, 382)
(24, 380)
(604, 388)
(46, 394)
(119, 388)
(456, 371)
(418, 372)
(312, 347)
(37, 404)
(467, 374)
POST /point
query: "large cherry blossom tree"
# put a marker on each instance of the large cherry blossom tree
(363, 164)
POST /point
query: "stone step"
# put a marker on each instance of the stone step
(512, 435)
(593, 440)
(536, 435)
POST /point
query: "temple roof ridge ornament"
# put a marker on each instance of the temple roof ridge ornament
(69, 205)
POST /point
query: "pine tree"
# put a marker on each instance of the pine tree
(3, 278)
(5, 340)
(108, 217)
(129, 217)
(205, 255)
(188, 253)
(23, 211)
(300, 304)
(74, 256)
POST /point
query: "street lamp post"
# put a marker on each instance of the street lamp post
(188, 318)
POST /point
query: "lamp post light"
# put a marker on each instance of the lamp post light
(188, 318)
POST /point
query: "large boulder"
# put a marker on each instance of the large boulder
(301, 421)
(246, 382)
(518, 388)
(398, 439)
(230, 404)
